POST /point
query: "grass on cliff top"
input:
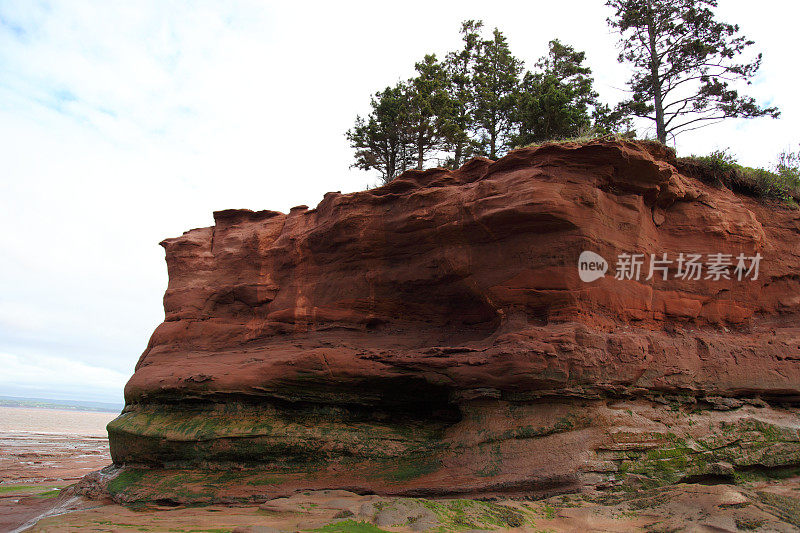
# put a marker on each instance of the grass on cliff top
(720, 169)
(586, 138)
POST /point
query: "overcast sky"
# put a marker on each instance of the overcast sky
(123, 123)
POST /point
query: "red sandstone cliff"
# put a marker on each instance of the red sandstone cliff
(438, 324)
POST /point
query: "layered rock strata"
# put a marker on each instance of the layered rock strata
(433, 336)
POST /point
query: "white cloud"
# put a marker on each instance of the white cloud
(123, 123)
(59, 378)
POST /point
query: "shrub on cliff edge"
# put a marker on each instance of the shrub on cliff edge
(721, 169)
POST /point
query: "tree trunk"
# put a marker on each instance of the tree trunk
(457, 156)
(389, 167)
(420, 151)
(661, 129)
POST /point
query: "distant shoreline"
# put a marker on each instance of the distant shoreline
(62, 405)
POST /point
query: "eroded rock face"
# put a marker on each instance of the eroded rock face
(433, 336)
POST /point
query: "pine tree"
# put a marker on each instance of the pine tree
(556, 101)
(460, 65)
(381, 140)
(496, 85)
(429, 108)
(684, 63)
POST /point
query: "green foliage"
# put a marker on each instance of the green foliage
(788, 168)
(558, 100)
(545, 111)
(496, 85)
(460, 123)
(478, 102)
(683, 64)
(429, 108)
(408, 123)
(716, 165)
(381, 139)
(759, 183)
(721, 169)
(587, 138)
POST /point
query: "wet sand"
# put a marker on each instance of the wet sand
(51, 446)
(43, 450)
(54, 421)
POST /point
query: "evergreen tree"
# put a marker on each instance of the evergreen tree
(557, 101)
(473, 103)
(496, 85)
(684, 62)
(607, 120)
(429, 108)
(460, 65)
(381, 140)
